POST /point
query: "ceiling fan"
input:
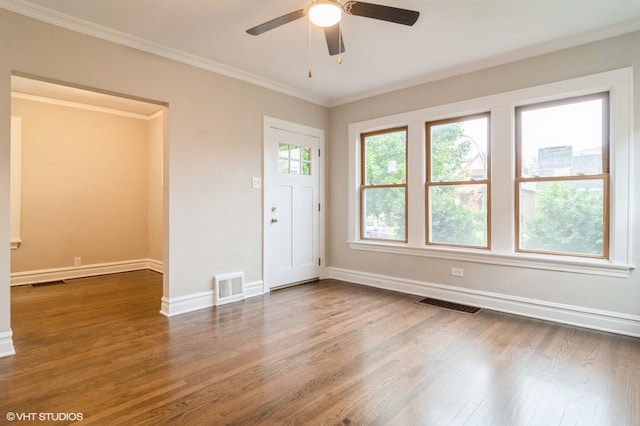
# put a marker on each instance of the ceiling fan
(328, 13)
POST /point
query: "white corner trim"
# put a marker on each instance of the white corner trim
(66, 273)
(156, 114)
(595, 319)
(6, 344)
(155, 265)
(189, 303)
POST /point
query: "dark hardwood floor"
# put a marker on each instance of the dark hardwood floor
(325, 353)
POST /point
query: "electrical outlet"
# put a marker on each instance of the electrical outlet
(457, 272)
(77, 261)
(256, 182)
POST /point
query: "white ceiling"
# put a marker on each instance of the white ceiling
(450, 37)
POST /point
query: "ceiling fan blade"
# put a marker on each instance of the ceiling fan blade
(334, 38)
(274, 23)
(383, 13)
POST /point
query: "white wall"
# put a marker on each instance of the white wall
(609, 299)
(213, 146)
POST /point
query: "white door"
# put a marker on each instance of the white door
(292, 203)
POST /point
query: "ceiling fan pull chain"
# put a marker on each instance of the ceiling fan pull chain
(340, 42)
(309, 51)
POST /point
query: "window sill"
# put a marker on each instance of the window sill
(549, 263)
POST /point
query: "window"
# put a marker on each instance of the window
(537, 187)
(457, 187)
(294, 160)
(383, 190)
(562, 176)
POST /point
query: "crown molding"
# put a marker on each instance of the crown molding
(79, 105)
(89, 28)
(539, 49)
(69, 22)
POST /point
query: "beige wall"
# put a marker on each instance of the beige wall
(87, 184)
(213, 146)
(154, 189)
(617, 295)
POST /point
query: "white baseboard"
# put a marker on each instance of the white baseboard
(253, 289)
(612, 322)
(67, 273)
(155, 265)
(206, 299)
(6, 344)
(189, 303)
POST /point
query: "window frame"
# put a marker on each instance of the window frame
(604, 176)
(364, 186)
(302, 162)
(618, 82)
(429, 183)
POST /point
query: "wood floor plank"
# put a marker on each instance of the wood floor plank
(328, 353)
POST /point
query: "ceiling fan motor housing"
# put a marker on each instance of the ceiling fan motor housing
(325, 13)
(336, 9)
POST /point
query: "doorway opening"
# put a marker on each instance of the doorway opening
(87, 182)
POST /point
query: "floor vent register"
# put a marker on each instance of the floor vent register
(458, 307)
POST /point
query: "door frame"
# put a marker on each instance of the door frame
(269, 195)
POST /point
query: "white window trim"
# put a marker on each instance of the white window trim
(617, 82)
(15, 186)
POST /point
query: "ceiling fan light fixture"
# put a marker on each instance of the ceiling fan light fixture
(325, 13)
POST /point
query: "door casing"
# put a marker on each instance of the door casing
(269, 193)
